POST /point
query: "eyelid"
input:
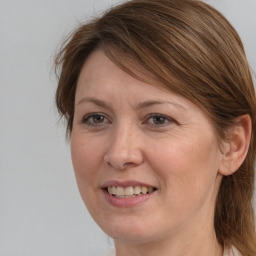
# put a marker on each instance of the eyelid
(85, 120)
(93, 114)
(169, 119)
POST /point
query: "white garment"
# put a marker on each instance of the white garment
(112, 253)
(227, 252)
(230, 252)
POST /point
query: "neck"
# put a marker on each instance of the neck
(196, 237)
(204, 245)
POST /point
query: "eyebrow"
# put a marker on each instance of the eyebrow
(141, 105)
(95, 101)
(150, 103)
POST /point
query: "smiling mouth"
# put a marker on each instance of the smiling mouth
(130, 191)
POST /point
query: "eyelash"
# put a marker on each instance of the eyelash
(86, 119)
(89, 120)
(167, 120)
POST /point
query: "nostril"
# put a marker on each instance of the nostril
(123, 161)
(123, 151)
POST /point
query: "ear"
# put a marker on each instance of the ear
(236, 148)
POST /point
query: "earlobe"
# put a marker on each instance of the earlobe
(236, 147)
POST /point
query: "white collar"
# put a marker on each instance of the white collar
(231, 251)
(227, 252)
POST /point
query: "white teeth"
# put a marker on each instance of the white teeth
(113, 190)
(129, 191)
(119, 191)
(110, 190)
(144, 190)
(137, 190)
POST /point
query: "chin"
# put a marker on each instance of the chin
(130, 230)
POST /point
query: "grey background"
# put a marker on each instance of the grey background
(41, 212)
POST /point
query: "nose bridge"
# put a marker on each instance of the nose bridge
(122, 133)
(124, 148)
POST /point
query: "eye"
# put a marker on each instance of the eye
(95, 119)
(159, 120)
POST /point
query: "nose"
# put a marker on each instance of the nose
(124, 148)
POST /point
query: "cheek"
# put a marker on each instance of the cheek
(85, 152)
(86, 161)
(187, 168)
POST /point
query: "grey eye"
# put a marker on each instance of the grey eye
(159, 120)
(98, 119)
(94, 119)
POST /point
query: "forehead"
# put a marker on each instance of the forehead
(101, 81)
(100, 74)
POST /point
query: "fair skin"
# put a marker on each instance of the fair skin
(127, 132)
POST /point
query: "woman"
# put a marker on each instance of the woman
(160, 109)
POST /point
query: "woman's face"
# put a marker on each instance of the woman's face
(155, 151)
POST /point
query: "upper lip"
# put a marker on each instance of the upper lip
(128, 183)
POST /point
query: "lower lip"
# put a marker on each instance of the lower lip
(127, 202)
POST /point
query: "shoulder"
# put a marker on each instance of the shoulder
(112, 253)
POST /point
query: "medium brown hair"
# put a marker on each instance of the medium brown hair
(190, 49)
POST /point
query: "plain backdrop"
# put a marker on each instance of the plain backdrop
(41, 213)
